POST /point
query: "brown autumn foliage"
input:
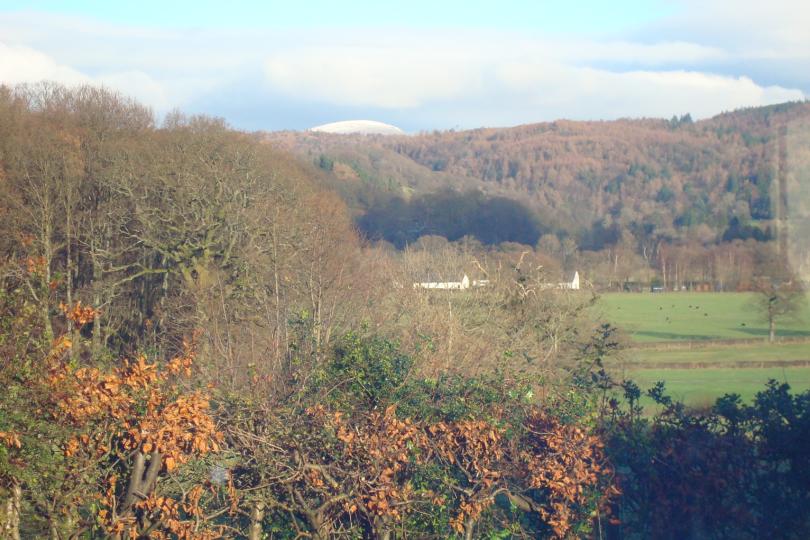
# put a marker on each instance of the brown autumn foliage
(325, 471)
(563, 461)
(476, 449)
(139, 416)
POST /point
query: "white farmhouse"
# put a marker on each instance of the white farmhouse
(465, 283)
(572, 285)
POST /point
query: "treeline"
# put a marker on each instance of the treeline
(194, 343)
(167, 228)
(693, 265)
(491, 220)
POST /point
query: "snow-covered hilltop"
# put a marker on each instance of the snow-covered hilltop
(364, 127)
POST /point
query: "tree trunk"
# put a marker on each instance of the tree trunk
(11, 520)
(469, 529)
(45, 301)
(771, 330)
(380, 529)
(256, 516)
(277, 297)
(97, 343)
(69, 272)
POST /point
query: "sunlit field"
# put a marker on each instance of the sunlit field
(698, 387)
(693, 359)
(649, 317)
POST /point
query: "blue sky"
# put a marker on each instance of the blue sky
(418, 64)
(550, 16)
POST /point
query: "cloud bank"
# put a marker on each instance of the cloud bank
(706, 58)
(21, 65)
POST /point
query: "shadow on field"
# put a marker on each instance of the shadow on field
(675, 336)
(763, 332)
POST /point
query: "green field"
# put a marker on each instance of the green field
(737, 355)
(648, 317)
(703, 386)
(695, 366)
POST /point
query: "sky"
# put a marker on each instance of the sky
(417, 64)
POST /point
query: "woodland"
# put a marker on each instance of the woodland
(675, 203)
(197, 342)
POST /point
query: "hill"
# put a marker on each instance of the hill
(625, 169)
(640, 184)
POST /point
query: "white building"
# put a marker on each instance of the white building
(465, 283)
(572, 285)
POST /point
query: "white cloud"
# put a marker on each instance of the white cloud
(745, 28)
(626, 52)
(164, 68)
(140, 86)
(19, 64)
(543, 79)
(389, 77)
(596, 93)
(696, 61)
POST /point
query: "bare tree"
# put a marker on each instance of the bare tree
(778, 299)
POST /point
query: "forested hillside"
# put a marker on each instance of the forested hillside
(642, 189)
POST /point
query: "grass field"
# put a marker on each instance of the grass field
(722, 355)
(712, 368)
(648, 317)
(704, 386)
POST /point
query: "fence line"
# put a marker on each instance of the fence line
(709, 343)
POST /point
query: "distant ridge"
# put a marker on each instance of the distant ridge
(364, 127)
(633, 183)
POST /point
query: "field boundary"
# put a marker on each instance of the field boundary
(710, 343)
(740, 364)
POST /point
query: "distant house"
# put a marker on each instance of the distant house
(465, 283)
(572, 285)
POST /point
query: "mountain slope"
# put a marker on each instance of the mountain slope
(597, 181)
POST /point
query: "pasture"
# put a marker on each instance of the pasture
(680, 338)
(698, 387)
(688, 316)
